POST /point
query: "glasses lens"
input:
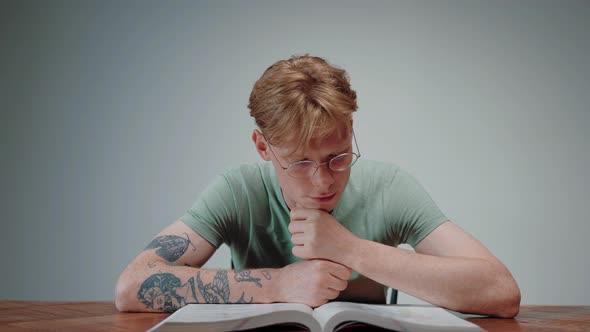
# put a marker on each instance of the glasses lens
(301, 169)
(343, 161)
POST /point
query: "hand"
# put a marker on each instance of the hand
(312, 282)
(316, 234)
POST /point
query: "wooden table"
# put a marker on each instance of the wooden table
(21, 316)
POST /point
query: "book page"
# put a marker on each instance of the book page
(226, 317)
(395, 317)
(220, 312)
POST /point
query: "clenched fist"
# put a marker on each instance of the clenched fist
(316, 234)
(312, 282)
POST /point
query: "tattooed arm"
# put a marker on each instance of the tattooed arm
(167, 276)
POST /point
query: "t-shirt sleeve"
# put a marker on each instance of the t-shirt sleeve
(413, 212)
(213, 213)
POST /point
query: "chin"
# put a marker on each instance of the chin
(326, 206)
(314, 205)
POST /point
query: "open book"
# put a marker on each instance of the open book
(330, 317)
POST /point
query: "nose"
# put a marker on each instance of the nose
(323, 176)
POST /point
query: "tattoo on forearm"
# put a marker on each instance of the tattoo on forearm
(241, 299)
(246, 275)
(170, 247)
(216, 291)
(164, 291)
(266, 275)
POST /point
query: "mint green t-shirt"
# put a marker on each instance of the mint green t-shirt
(245, 209)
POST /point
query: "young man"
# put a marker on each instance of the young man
(299, 224)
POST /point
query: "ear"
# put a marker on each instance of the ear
(260, 144)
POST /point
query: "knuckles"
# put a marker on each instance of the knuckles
(322, 265)
(315, 214)
(320, 285)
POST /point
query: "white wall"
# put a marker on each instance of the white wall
(116, 114)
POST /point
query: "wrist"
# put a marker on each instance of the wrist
(353, 255)
(274, 293)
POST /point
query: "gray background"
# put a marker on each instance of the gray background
(116, 115)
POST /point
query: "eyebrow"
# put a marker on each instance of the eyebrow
(299, 157)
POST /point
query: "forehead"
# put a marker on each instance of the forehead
(335, 142)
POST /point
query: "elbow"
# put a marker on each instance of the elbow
(123, 295)
(506, 301)
(503, 296)
(501, 300)
(510, 305)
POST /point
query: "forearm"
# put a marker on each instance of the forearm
(463, 284)
(148, 285)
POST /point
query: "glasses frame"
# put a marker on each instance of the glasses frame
(317, 166)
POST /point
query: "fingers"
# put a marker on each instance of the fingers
(296, 227)
(299, 251)
(298, 239)
(331, 294)
(312, 281)
(301, 213)
(338, 284)
(340, 271)
(333, 287)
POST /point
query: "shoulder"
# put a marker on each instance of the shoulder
(372, 173)
(379, 176)
(256, 178)
(376, 167)
(253, 172)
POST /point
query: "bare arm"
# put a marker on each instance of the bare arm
(167, 275)
(450, 268)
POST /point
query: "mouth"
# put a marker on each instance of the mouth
(323, 198)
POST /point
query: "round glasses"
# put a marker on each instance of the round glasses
(307, 168)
